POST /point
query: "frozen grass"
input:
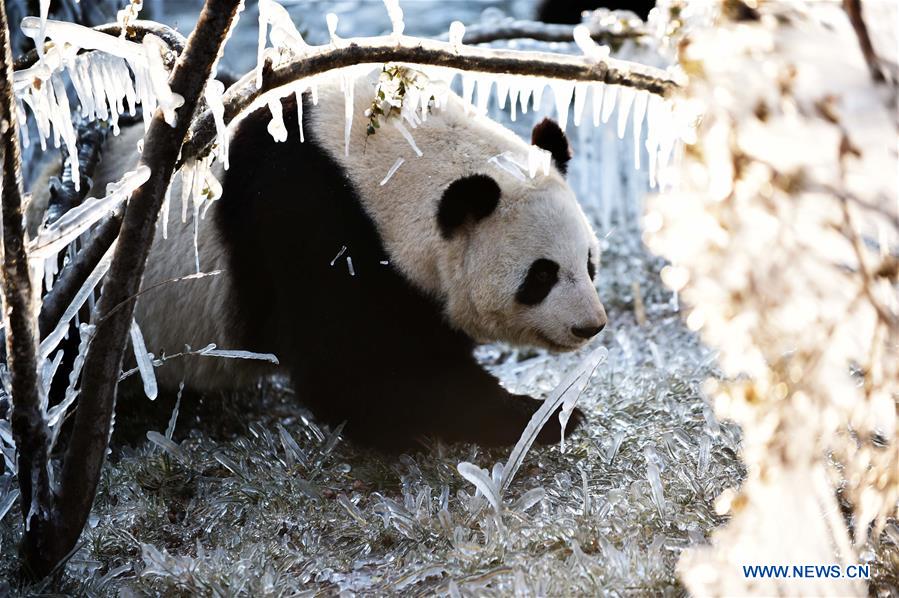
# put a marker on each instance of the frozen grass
(257, 499)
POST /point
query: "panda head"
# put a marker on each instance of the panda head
(521, 257)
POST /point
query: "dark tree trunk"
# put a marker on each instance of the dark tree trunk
(55, 526)
(28, 424)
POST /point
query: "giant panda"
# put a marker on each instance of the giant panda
(450, 252)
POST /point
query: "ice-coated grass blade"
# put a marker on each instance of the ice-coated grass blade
(482, 482)
(573, 383)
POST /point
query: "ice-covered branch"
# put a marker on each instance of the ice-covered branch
(76, 272)
(90, 433)
(28, 424)
(508, 29)
(320, 59)
(136, 32)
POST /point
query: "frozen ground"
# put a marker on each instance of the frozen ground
(257, 499)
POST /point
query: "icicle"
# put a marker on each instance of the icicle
(283, 33)
(639, 114)
(260, 46)
(113, 98)
(144, 361)
(396, 165)
(608, 102)
(299, 96)
(212, 351)
(276, 127)
(410, 105)
(396, 16)
(63, 125)
(426, 102)
(580, 98)
(44, 8)
(164, 210)
(166, 100)
(348, 85)
(588, 46)
(406, 135)
(539, 87)
(98, 89)
(485, 82)
(456, 33)
(468, 83)
(313, 91)
(514, 90)
(339, 253)
(624, 108)
(197, 232)
(188, 172)
(213, 94)
(332, 20)
(23, 130)
(666, 140)
(502, 91)
(50, 266)
(524, 96)
(652, 135)
(562, 91)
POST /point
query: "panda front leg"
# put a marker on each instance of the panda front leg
(473, 407)
(395, 404)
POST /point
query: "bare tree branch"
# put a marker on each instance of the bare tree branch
(90, 433)
(427, 52)
(545, 32)
(28, 424)
(76, 272)
(853, 9)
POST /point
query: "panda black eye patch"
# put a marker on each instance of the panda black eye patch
(542, 276)
(591, 269)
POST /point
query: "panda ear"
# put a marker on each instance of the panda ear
(466, 201)
(549, 136)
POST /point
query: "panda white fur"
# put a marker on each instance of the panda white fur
(450, 252)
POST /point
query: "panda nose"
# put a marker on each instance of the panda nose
(586, 331)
